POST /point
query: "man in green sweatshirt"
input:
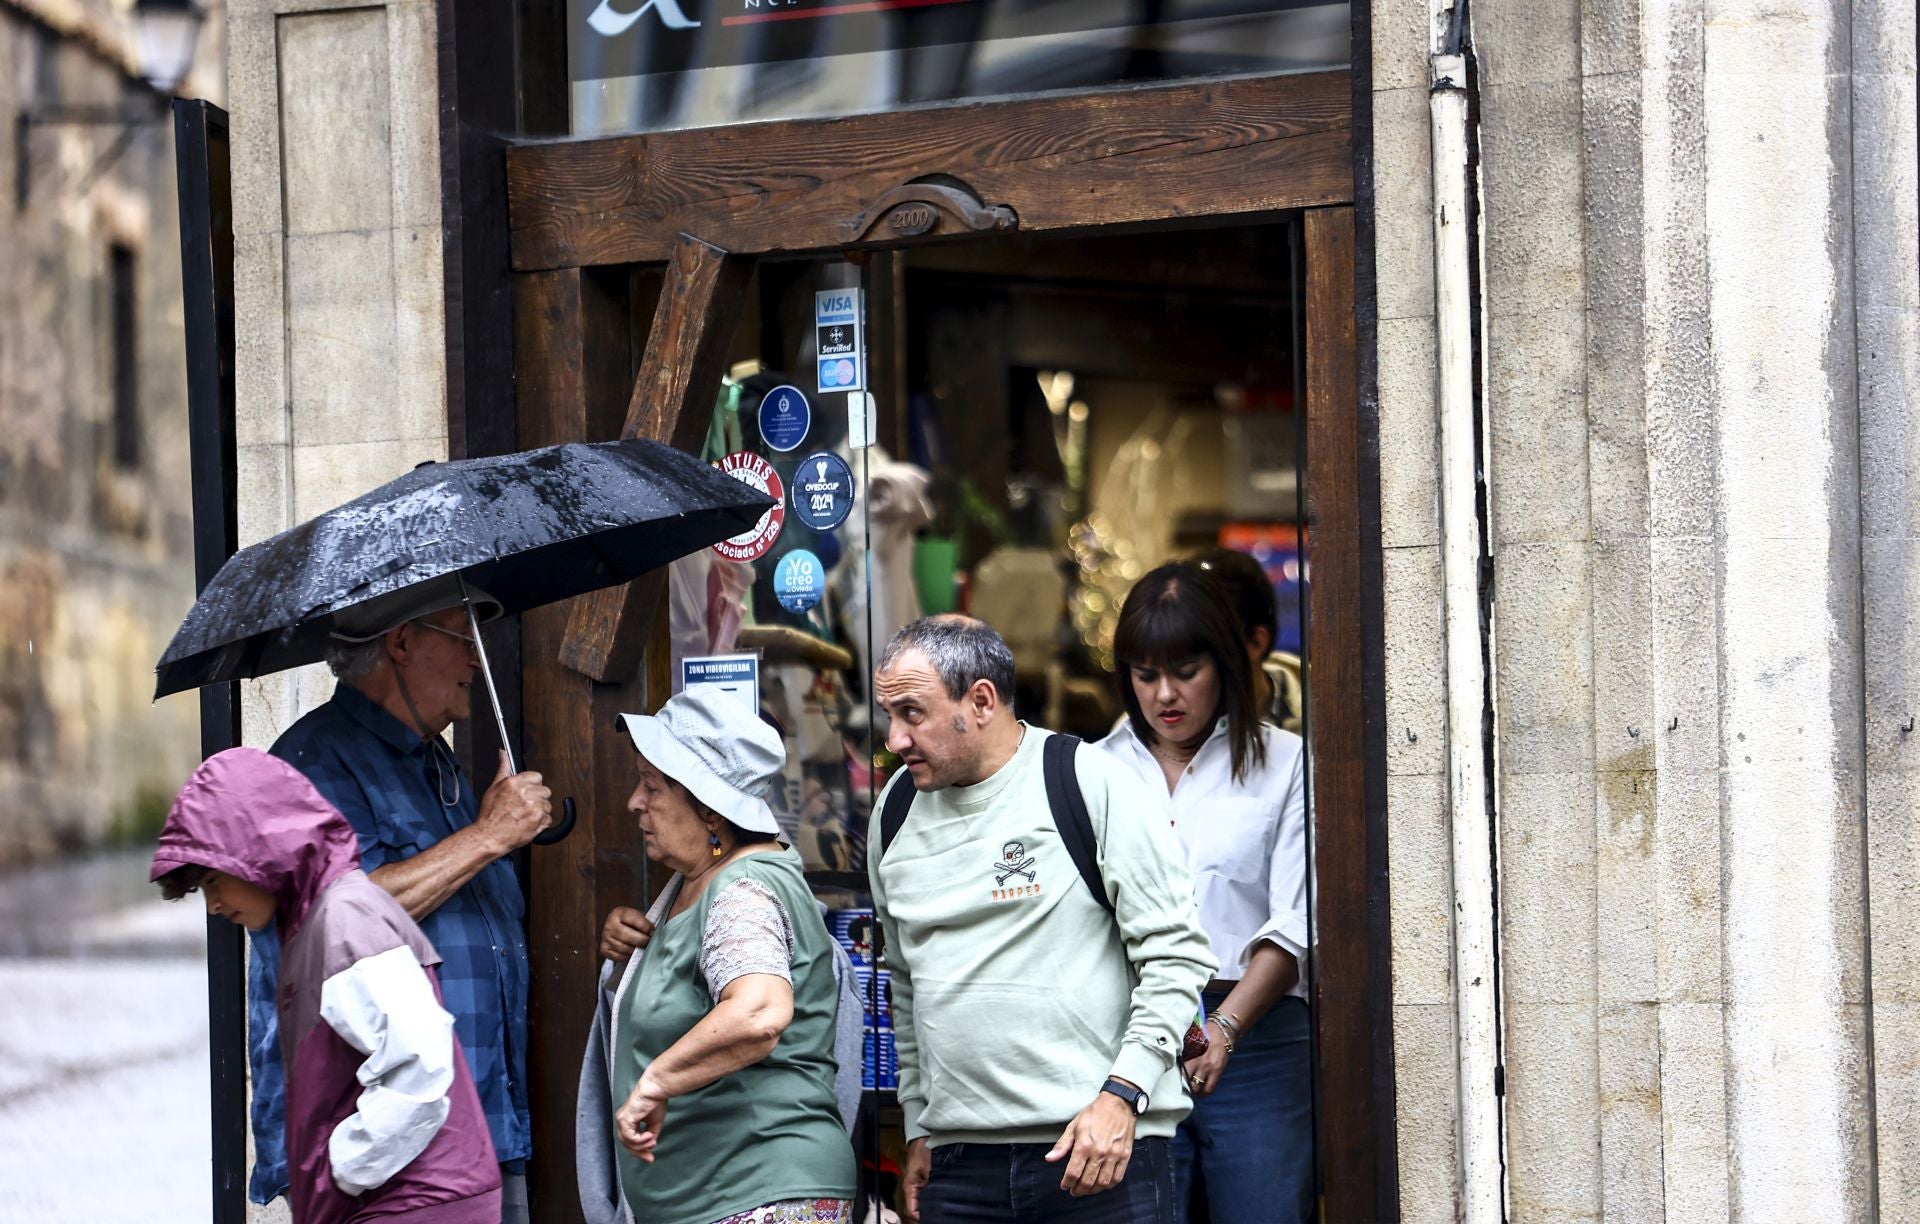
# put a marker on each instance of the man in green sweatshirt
(1037, 1033)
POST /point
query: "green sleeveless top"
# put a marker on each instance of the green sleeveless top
(767, 1132)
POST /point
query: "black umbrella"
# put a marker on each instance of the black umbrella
(529, 529)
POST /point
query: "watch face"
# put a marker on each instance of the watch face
(1140, 1104)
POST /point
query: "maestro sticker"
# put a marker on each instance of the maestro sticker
(785, 417)
(753, 543)
(823, 490)
(798, 581)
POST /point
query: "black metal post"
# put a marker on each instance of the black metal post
(206, 266)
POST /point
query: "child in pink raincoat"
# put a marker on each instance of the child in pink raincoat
(383, 1122)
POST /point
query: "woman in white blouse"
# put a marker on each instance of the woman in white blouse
(1239, 810)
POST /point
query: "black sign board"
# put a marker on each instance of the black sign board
(627, 38)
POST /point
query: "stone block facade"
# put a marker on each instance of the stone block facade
(340, 344)
(96, 546)
(1700, 365)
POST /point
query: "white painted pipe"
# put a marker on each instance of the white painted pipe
(1476, 1019)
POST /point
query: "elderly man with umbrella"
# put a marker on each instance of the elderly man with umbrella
(391, 590)
(405, 668)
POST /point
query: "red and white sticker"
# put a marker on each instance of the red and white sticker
(752, 544)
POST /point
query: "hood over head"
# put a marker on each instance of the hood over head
(256, 818)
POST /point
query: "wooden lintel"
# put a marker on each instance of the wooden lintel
(1213, 148)
(693, 325)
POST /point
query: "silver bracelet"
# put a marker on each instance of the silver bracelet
(1229, 1030)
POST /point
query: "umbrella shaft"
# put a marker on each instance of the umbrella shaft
(486, 674)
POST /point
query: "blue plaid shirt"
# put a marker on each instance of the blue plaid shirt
(381, 776)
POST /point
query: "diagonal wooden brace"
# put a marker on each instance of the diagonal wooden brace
(673, 395)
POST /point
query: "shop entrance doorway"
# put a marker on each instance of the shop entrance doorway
(1101, 331)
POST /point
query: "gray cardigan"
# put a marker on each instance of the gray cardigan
(601, 1198)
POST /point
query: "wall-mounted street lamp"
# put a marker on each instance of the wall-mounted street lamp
(166, 33)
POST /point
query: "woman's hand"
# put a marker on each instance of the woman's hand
(626, 931)
(1204, 1073)
(637, 1123)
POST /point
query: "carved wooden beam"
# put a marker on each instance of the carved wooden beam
(915, 210)
(1211, 148)
(672, 400)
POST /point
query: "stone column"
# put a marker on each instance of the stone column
(1700, 356)
(340, 324)
(1886, 305)
(339, 321)
(1417, 835)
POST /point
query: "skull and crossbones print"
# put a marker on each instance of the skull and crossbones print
(1014, 861)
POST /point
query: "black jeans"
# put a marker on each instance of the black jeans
(1012, 1183)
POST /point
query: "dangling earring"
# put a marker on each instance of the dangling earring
(713, 839)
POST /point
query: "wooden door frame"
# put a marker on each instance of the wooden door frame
(705, 204)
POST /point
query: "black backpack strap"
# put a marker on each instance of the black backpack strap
(1070, 816)
(893, 811)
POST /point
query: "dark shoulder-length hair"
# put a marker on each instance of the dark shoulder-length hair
(1172, 615)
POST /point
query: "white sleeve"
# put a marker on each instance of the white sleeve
(384, 1007)
(1286, 924)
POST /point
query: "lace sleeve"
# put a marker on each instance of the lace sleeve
(748, 931)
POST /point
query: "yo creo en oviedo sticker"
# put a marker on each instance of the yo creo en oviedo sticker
(799, 581)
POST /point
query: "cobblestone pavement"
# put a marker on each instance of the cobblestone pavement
(103, 1048)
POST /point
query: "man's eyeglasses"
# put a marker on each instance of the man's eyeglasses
(472, 642)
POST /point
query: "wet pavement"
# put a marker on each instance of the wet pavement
(103, 1047)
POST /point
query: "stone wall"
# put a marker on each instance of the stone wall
(1417, 836)
(1700, 364)
(1885, 246)
(96, 548)
(340, 331)
(340, 338)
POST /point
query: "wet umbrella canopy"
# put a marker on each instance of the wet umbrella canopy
(529, 529)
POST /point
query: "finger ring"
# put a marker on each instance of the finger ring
(1199, 1080)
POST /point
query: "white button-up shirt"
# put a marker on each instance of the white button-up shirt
(1245, 841)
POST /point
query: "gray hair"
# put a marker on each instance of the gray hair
(961, 649)
(352, 661)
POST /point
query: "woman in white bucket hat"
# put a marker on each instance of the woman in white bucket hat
(722, 1059)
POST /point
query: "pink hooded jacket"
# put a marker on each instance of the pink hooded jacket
(383, 1122)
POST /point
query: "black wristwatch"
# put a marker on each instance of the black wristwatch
(1134, 1097)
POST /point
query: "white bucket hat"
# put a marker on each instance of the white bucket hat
(707, 741)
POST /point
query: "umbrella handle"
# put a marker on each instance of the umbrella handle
(569, 812)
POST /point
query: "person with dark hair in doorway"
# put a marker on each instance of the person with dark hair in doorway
(1046, 959)
(1239, 812)
(1248, 590)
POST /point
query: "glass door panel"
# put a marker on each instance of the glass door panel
(1049, 420)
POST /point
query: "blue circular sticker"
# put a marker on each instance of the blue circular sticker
(822, 490)
(785, 417)
(798, 581)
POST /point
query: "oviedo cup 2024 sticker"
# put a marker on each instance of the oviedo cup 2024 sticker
(752, 544)
(822, 490)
